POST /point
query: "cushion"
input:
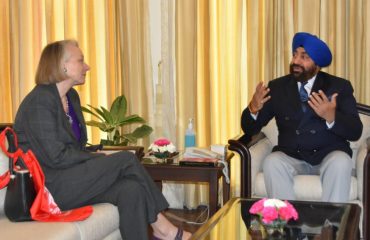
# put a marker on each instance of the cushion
(101, 223)
(116, 235)
(365, 119)
(37, 230)
(271, 132)
(306, 187)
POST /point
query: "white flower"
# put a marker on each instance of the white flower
(171, 148)
(274, 203)
(154, 148)
(162, 148)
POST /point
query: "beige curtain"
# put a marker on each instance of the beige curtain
(133, 19)
(112, 34)
(208, 73)
(224, 48)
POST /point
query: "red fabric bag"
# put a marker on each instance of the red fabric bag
(44, 207)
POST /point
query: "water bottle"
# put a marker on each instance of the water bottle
(190, 135)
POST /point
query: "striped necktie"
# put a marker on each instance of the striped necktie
(303, 95)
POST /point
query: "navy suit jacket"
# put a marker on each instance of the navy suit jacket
(305, 135)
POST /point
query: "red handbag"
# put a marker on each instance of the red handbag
(43, 207)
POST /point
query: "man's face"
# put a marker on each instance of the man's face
(302, 67)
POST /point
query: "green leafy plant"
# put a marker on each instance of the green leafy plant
(113, 120)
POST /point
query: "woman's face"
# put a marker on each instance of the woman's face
(75, 67)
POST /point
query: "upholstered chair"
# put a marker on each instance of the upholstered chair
(306, 187)
(102, 224)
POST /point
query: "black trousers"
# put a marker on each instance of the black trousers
(119, 179)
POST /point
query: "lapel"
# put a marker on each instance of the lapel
(66, 124)
(294, 101)
(77, 108)
(291, 91)
(61, 114)
(320, 84)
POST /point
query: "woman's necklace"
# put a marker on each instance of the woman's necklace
(66, 109)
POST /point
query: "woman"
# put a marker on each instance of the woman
(50, 123)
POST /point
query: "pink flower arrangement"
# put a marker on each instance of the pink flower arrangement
(272, 211)
(162, 145)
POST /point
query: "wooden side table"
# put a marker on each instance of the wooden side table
(175, 172)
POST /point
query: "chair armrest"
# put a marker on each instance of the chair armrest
(241, 145)
(359, 167)
(138, 150)
(259, 152)
(365, 110)
(366, 192)
(245, 160)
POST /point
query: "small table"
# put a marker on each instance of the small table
(175, 172)
(317, 221)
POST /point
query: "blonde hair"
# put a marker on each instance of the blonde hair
(50, 69)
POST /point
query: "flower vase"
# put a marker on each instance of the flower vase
(274, 215)
(162, 157)
(275, 231)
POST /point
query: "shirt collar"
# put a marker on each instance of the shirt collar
(309, 84)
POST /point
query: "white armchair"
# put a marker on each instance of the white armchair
(306, 187)
(102, 224)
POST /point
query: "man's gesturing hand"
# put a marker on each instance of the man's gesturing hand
(259, 98)
(322, 106)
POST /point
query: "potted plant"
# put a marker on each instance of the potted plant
(111, 121)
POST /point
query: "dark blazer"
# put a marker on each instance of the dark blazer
(41, 125)
(76, 177)
(302, 135)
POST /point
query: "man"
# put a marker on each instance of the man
(316, 116)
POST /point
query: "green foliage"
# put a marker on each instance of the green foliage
(112, 121)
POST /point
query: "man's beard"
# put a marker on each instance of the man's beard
(304, 75)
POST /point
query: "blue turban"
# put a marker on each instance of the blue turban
(315, 48)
